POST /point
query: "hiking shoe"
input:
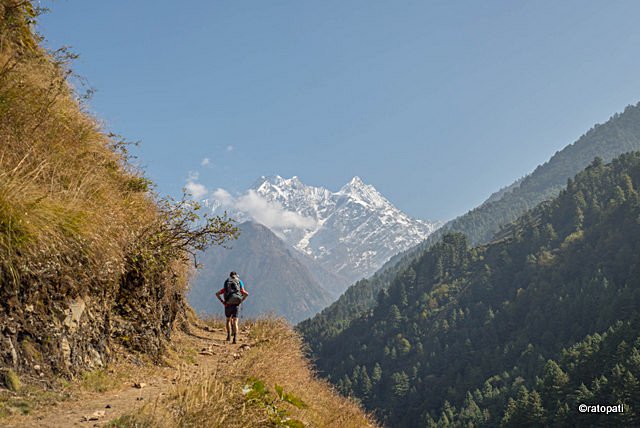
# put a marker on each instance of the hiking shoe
(228, 337)
(234, 339)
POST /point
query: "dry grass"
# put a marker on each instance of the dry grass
(275, 361)
(76, 219)
(63, 188)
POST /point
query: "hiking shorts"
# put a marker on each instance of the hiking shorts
(231, 311)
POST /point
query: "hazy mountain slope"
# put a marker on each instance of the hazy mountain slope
(332, 282)
(621, 133)
(276, 280)
(470, 327)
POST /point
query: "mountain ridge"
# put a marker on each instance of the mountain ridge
(468, 336)
(350, 232)
(482, 222)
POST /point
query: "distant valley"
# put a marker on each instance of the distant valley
(329, 238)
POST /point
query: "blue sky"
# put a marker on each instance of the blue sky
(435, 103)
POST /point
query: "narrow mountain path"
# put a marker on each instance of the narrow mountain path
(207, 351)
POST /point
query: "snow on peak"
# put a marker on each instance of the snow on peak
(364, 194)
(353, 231)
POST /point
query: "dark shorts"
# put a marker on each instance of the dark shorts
(231, 311)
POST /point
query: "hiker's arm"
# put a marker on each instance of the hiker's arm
(219, 294)
(244, 292)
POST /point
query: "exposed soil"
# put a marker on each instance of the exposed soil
(208, 350)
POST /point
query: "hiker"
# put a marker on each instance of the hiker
(234, 294)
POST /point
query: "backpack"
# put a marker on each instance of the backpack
(232, 294)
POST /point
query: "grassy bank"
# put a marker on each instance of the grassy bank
(269, 383)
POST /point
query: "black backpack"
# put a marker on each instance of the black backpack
(232, 294)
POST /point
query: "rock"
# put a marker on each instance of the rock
(9, 351)
(139, 385)
(139, 398)
(235, 355)
(95, 416)
(244, 347)
(108, 406)
(93, 358)
(36, 367)
(28, 308)
(66, 351)
(76, 308)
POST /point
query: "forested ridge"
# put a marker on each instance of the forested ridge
(619, 134)
(516, 332)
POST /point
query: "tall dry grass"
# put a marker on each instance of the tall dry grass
(62, 186)
(78, 222)
(216, 398)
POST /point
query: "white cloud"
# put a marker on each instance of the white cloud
(205, 162)
(195, 189)
(223, 197)
(271, 214)
(230, 148)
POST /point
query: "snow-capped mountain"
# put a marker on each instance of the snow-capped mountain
(351, 232)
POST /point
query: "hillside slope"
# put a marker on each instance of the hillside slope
(620, 134)
(496, 334)
(91, 262)
(277, 281)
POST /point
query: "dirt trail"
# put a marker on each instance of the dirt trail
(96, 409)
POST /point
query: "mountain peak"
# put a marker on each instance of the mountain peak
(277, 180)
(356, 181)
(350, 232)
(363, 193)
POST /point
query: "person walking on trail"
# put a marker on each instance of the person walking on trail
(234, 294)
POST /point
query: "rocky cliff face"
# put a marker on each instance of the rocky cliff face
(57, 317)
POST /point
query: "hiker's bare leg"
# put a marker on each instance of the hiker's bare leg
(228, 328)
(234, 324)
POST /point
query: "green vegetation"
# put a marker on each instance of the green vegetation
(256, 394)
(517, 332)
(99, 380)
(11, 380)
(620, 134)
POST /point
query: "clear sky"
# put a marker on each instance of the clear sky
(435, 103)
